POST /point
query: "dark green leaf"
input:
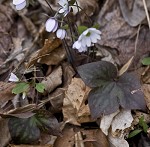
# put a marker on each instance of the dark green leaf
(143, 124)
(27, 130)
(47, 122)
(134, 133)
(40, 87)
(97, 74)
(72, 2)
(24, 130)
(104, 100)
(81, 29)
(109, 93)
(20, 88)
(65, 27)
(96, 26)
(133, 96)
(146, 61)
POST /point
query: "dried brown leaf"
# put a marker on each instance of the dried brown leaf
(68, 73)
(31, 145)
(136, 13)
(53, 80)
(6, 92)
(49, 45)
(122, 121)
(118, 35)
(74, 102)
(68, 137)
(56, 99)
(117, 141)
(4, 135)
(95, 138)
(54, 57)
(146, 90)
(126, 66)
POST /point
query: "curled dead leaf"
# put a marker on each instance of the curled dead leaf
(54, 57)
(53, 80)
(49, 45)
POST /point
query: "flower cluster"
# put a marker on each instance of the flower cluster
(65, 8)
(20, 4)
(87, 39)
(52, 23)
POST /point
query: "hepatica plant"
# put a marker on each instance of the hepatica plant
(110, 92)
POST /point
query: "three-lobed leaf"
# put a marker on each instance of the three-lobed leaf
(110, 91)
(23, 130)
(27, 130)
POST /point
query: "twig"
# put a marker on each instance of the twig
(147, 14)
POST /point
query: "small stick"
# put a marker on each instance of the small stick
(146, 11)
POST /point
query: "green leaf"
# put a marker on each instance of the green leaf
(23, 130)
(65, 27)
(109, 91)
(134, 133)
(146, 61)
(20, 88)
(143, 124)
(96, 26)
(40, 87)
(27, 130)
(97, 74)
(81, 29)
(72, 2)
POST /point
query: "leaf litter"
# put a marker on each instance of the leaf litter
(66, 105)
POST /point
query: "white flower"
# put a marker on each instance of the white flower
(20, 4)
(13, 78)
(87, 39)
(79, 46)
(65, 8)
(51, 25)
(61, 33)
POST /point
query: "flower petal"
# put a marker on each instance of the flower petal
(55, 28)
(88, 41)
(13, 78)
(95, 30)
(77, 45)
(21, 6)
(50, 24)
(61, 10)
(17, 2)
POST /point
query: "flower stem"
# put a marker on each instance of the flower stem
(50, 7)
